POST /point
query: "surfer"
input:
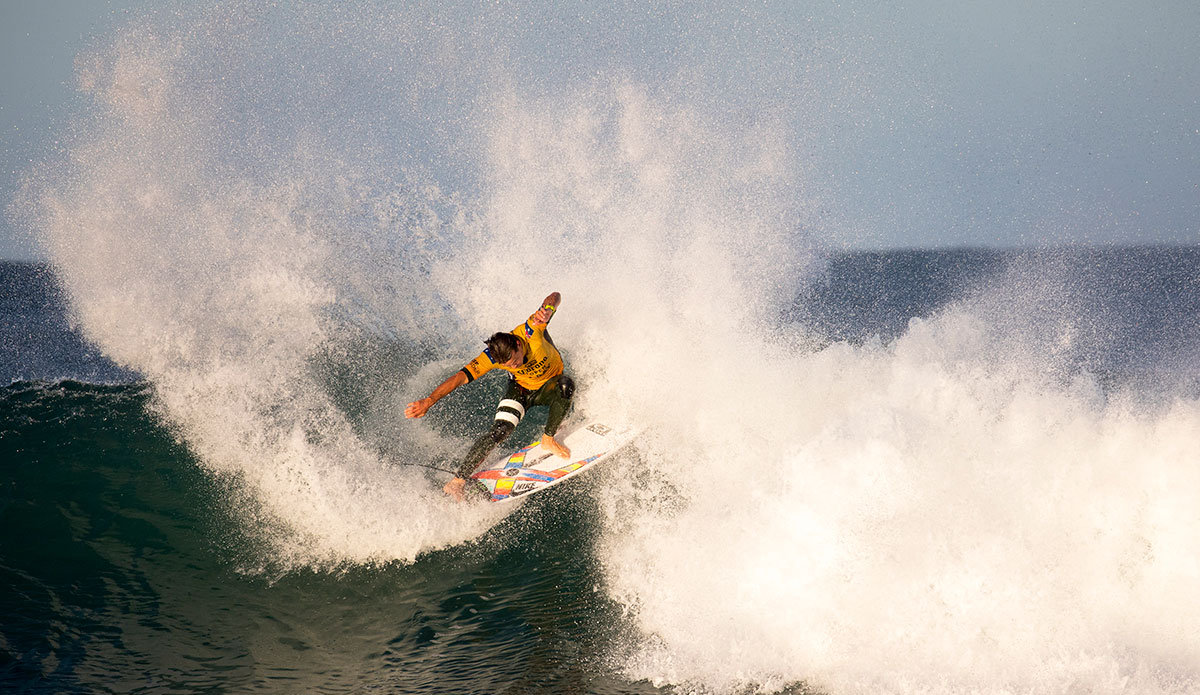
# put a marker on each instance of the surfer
(536, 379)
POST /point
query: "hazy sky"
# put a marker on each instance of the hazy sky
(39, 40)
(930, 123)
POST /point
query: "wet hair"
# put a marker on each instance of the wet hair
(502, 347)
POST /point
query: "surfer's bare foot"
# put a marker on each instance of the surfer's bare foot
(555, 448)
(454, 488)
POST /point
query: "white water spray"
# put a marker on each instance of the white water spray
(944, 513)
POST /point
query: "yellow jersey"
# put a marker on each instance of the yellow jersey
(542, 361)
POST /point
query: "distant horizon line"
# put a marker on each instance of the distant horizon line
(895, 249)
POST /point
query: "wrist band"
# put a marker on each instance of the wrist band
(551, 307)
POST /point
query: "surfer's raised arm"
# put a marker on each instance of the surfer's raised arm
(545, 312)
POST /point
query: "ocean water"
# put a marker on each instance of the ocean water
(935, 520)
(269, 228)
(126, 569)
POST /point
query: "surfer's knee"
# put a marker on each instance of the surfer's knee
(501, 429)
(510, 412)
(508, 416)
(566, 387)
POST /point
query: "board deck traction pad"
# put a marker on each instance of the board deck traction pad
(517, 476)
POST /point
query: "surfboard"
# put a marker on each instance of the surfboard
(534, 468)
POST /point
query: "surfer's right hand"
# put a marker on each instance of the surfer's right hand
(418, 408)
